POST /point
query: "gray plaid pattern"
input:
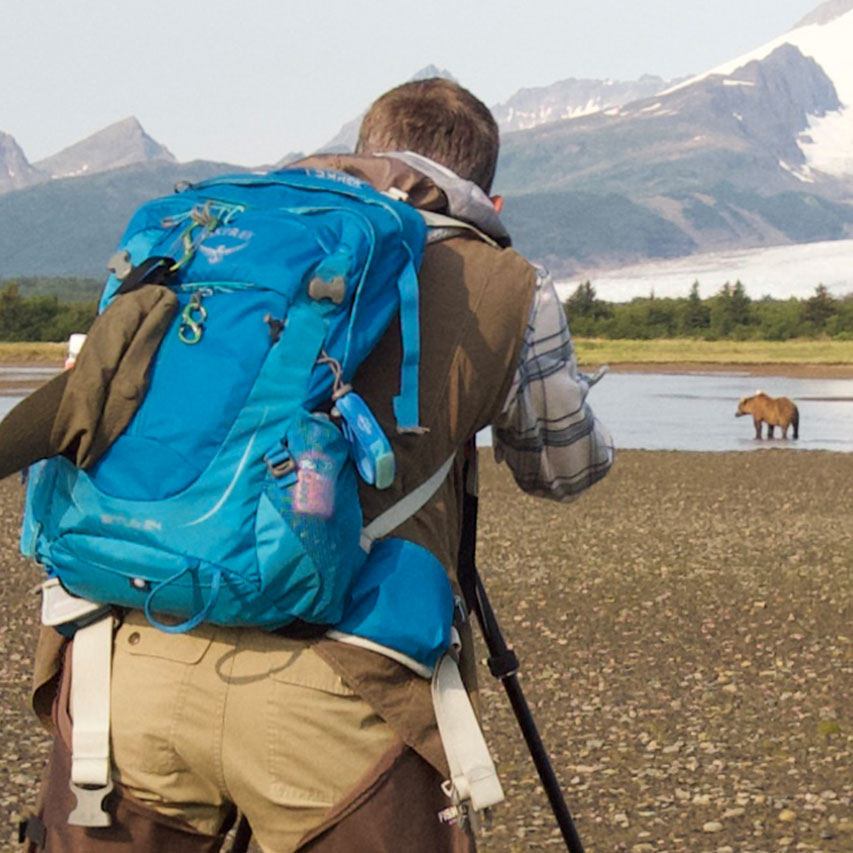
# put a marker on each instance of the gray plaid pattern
(546, 432)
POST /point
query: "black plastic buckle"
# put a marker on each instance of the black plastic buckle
(33, 829)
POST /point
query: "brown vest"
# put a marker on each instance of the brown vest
(474, 304)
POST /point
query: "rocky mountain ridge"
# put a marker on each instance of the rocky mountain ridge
(120, 144)
(571, 98)
(825, 13)
(752, 153)
(755, 114)
(15, 170)
(123, 143)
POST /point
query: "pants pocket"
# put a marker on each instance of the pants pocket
(151, 673)
(321, 736)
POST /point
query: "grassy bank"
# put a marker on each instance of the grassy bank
(18, 352)
(670, 350)
(600, 351)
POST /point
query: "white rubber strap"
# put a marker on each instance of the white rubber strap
(90, 703)
(472, 772)
(405, 508)
(418, 668)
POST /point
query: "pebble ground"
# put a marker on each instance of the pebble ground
(685, 631)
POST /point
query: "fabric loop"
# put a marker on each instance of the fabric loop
(195, 620)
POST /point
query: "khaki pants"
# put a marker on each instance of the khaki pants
(223, 716)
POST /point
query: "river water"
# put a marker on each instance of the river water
(17, 381)
(696, 411)
(662, 411)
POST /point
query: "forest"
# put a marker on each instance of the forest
(49, 309)
(46, 309)
(730, 314)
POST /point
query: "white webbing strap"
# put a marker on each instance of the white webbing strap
(91, 661)
(418, 668)
(405, 508)
(473, 776)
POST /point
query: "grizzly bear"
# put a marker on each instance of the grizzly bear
(774, 411)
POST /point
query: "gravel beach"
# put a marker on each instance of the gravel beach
(685, 631)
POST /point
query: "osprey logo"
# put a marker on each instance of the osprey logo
(132, 523)
(215, 253)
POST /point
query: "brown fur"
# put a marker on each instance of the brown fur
(774, 411)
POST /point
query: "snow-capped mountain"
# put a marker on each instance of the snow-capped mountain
(754, 154)
(571, 98)
(121, 144)
(743, 127)
(825, 35)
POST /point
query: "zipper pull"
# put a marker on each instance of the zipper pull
(369, 445)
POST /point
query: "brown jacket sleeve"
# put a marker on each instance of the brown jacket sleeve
(25, 432)
(82, 411)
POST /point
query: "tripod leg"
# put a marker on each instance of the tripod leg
(503, 664)
(242, 836)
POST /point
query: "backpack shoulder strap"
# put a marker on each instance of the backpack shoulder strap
(440, 220)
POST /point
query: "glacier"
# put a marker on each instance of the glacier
(780, 272)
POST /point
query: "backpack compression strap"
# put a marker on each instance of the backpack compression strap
(473, 783)
(405, 508)
(91, 658)
(153, 270)
(406, 403)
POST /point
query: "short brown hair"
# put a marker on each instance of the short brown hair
(438, 119)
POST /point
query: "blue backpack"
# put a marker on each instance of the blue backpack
(231, 497)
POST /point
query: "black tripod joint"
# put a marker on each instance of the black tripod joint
(503, 665)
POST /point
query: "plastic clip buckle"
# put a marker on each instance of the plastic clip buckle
(90, 810)
(279, 462)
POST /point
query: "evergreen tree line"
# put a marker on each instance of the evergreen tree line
(729, 314)
(42, 317)
(65, 288)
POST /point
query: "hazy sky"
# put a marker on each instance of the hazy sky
(246, 81)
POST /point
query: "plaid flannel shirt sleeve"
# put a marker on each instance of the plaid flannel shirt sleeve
(546, 432)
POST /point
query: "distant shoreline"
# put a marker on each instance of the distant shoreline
(800, 358)
(793, 370)
(798, 371)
